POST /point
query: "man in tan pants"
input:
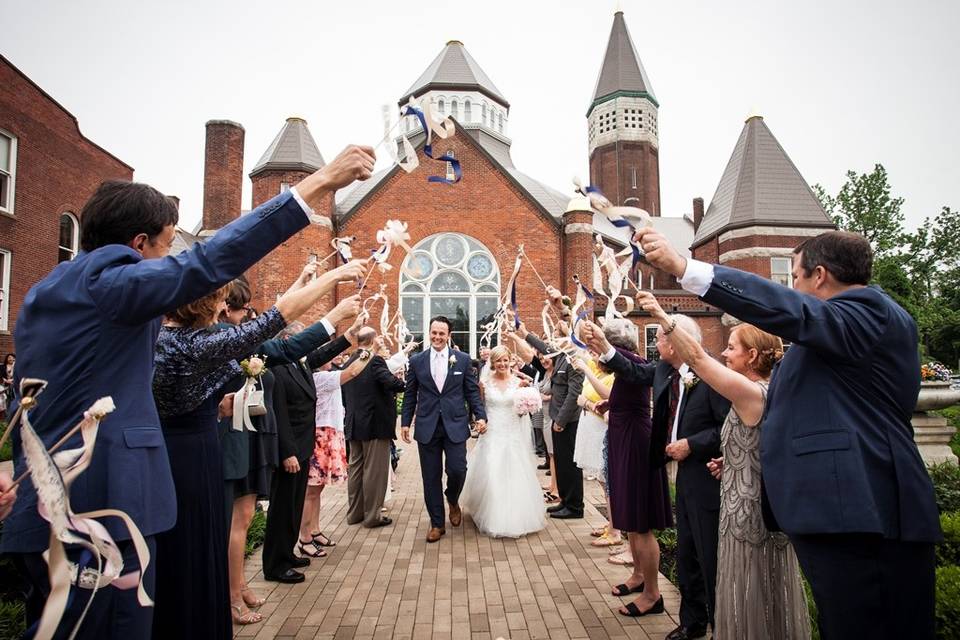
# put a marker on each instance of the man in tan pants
(369, 425)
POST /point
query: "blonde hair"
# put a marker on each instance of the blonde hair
(498, 352)
(769, 347)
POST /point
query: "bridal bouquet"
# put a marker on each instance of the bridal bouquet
(527, 400)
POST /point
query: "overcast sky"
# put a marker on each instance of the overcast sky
(842, 84)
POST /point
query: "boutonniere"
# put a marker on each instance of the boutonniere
(690, 380)
(364, 355)
(253, 366)
(452, 361)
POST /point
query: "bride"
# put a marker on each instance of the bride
(501, 491)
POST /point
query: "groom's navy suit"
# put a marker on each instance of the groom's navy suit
(90, 329)
(442, 424)
(841, 472)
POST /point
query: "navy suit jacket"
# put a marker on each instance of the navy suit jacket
(430, 404)
(836, 445)
(89, 328)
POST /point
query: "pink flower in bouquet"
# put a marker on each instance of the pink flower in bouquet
(527, 400)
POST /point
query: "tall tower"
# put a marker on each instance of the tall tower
(622, 124)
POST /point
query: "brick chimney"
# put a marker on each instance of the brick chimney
(697, 213)
(577, 244)
(222, 174)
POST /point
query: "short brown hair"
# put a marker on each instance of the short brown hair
(200, 313)
(846, 255)
(238, 294)
(768, 346)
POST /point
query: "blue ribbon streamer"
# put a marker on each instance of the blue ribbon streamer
(582, 315)
(428, 149)
(513, 303)
(623, 224)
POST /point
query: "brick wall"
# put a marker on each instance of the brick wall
(484, 205)
(274, 274)
(611, 170)
(222, 173)
(57, 170)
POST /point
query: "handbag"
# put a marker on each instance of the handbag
(255, 404)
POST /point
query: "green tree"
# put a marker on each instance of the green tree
(864, 205)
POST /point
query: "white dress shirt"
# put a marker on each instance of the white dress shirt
(683, 370)
(698, 277)
(438, 366)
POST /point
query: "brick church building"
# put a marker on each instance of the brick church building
(465, 236)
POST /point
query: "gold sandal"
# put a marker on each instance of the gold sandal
(241, 618)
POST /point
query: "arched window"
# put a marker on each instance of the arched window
(467, 115)
(69, 237)
(440, 104)
(454, 109)
(455, 276)
(500, 121)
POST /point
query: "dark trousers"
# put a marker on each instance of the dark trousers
(287, 491)
(114, 614)
(569, 475)
(539, 446)
(869, 587)
(697, 538)
(431, 468)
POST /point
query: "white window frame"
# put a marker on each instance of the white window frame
(12, 174)
(5, 289)
(284, 187)
(788, 272)
(74, 247)
(646, 343)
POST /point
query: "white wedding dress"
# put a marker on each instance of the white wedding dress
(501, 492)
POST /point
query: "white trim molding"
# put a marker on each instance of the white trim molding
(5, 270)
(578, 227)
(755, 252)
(803, 232)
(322, 221)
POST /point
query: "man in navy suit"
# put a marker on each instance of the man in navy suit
(439, 386)
(89, 329)
(842, 475)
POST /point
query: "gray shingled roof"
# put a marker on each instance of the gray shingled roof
(622, 70)
(454, 68)
(760, 186)
(553, 201)
(183, 241)
(678, 231)
(294, 149)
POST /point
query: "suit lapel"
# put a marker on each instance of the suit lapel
(299, 373)
(428, 373)
(450, 370)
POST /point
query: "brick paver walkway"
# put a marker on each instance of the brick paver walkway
(389, 583)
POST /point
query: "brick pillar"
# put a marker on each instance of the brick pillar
(577, 245)
(697, 213)
(275, 272)
(222, 174)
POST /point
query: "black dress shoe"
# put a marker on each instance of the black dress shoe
(382, 522)
(301, 562)
(545, 465)
(686, 633)
(289, 577)
(556, 507)
(567, 514)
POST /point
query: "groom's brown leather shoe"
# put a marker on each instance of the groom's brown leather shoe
(435, 533)
(456, 515)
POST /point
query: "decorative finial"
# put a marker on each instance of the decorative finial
(754, 113)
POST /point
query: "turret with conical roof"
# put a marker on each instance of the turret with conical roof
(457, 86)
(761, 210)
(294, 149)
(623, 126)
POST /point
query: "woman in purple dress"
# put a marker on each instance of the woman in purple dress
(638, 488)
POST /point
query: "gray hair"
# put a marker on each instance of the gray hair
(290, 330)
(622, 333)
(689, 325)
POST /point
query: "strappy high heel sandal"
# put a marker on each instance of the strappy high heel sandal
(311, 549)
(241, 618)
(324, 540)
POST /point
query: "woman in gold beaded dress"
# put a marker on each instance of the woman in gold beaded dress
(759, 590)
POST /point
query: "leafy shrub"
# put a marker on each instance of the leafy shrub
(946, 485)
(948, 602)
(948, 551)
(6, 452)
(12, 618)
(258, 527)
(811, 609)
(668, 553)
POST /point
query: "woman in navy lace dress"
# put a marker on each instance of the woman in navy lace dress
(193, 363)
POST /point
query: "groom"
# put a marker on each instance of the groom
(440, 385)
